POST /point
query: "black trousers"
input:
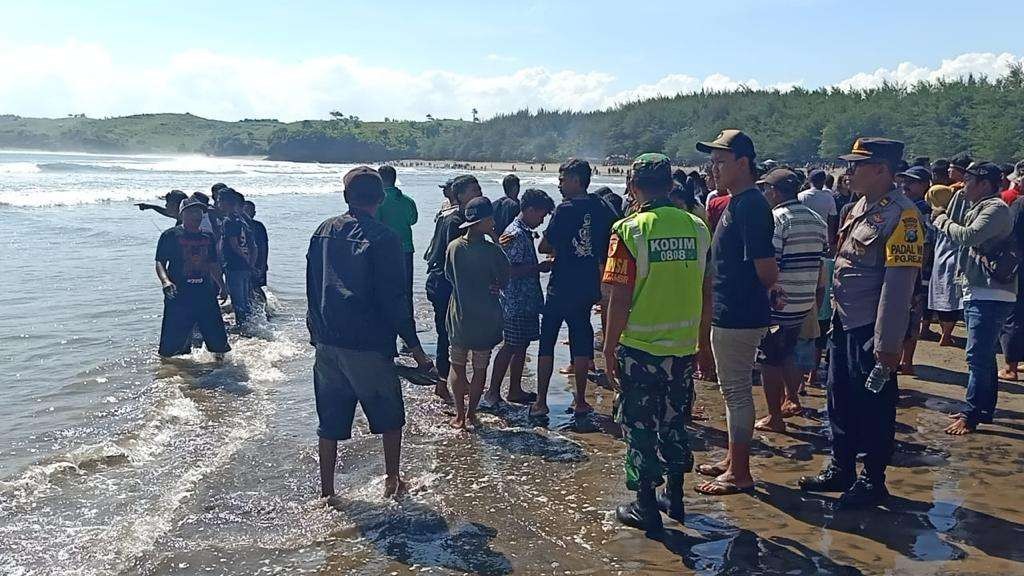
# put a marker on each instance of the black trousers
(408, 285)
(439, 292)
(191, 308)
(861, 421)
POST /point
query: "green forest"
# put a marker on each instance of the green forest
(980, 115)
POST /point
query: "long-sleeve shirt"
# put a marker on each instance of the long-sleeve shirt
(979, 226)
(356, 284)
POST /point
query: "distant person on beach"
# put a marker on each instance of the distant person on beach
(744, 273)
(878, 258)
(399, 213)
(459, 191)
(191, 277)
(577, 237)
(521, 299)
(476, 269)
(262, 243)
(656, 326)
(355, 285)
(171, 207)
(507, 207)
(239, 254)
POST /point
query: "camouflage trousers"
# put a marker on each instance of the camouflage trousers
(652, 408)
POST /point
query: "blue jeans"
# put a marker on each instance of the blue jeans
(240, 289)
(984, 320)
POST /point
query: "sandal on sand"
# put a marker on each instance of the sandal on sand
(712, 470)
(722, 488)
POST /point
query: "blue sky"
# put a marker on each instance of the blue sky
(444, 56)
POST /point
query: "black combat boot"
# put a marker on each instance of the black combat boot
(866, 491)
(670, 501)
(831, 479)
(643, 514)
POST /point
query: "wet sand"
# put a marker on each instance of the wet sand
(536, 501)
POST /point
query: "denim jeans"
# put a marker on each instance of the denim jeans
(240, 288)
(984, 320)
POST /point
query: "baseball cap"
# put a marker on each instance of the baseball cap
(961, 160)
(194, 202)
(732, 140)
(873, 148)
(919, 173)
(477, 210)
(785, 180)
(986, 171)
(653, 167)
(175, 195)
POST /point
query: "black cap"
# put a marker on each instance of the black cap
(961, 160)
(785, 180)
(734, 141)
(919, 173)
(175, 195)
(875, 149)
(986, 171)
(477, 210)
(363, 185)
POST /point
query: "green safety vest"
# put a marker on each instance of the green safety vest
(669, 246)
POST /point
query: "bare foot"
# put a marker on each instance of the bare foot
(491, 400)
(907, 369)
(1007, 374)
(769, 424)
(714, 470)
(791, 409)
(395, 487)
(458, 423)
(539, 409)
(581, 408)
(959, 427)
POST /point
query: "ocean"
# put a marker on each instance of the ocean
(122, 463)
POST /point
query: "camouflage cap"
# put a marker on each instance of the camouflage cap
(652, 166)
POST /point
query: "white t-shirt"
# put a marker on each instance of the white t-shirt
(821, 201)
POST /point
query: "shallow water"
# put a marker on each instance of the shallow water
(115, 463)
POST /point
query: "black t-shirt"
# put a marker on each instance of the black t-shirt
(188, 257)
(579, 232)
(446, 229)
(505, 211)
(261, 241)
(743, 234)
(236, 227)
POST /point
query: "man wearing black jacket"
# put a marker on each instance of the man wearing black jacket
(355, 284)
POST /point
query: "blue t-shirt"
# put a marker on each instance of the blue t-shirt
(579, 232)
(743, 234)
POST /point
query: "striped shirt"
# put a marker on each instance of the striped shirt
(800, 242)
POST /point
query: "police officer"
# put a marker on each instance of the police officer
(880, 251)
(655, 272)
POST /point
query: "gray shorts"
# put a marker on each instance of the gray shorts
(343, 377)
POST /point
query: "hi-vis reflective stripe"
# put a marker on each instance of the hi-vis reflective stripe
(643, 262)
(661, 327)
(688, 343)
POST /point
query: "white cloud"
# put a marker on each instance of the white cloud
(84, 78)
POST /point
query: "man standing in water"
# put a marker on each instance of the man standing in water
(577, 237)
(879, 254)
(186, 264)
(239, 254)
(398, 212)
(262, 244)
(171, 207)
(354, 278)
(656, 318)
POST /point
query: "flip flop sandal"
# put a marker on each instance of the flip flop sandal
(719, 488)
(710, 470)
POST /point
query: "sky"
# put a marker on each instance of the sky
(402, 59)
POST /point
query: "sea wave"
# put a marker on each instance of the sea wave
(116, 168)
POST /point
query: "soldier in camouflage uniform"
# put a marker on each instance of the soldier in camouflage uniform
(655, 272)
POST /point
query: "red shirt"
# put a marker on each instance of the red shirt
(1009, 195)
(716, 208)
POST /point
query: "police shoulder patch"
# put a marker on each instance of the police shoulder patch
(905, 246)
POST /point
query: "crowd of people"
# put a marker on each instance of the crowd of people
(743, 271)
(214, 252)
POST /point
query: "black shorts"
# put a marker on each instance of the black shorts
(581, 331)
(779, 344)
(343, 378)
(192, 308)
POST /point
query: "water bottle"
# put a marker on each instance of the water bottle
(877, 378)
